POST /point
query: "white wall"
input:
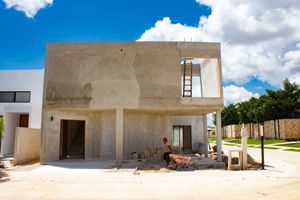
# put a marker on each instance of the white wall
(20, 80)
(8, 140)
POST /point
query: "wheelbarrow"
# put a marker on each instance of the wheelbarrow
(178, 161)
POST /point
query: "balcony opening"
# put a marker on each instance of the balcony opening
(199, 77)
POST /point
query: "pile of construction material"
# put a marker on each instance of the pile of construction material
(178, 161)
(252, 163)
(3, 175)
(153, 155)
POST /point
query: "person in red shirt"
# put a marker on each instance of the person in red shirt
(166, 150)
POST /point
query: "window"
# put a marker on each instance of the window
(15, 97)
(7, 96)
(182, 137)
(22, 97)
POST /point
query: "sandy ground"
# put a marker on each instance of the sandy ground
(91, 180)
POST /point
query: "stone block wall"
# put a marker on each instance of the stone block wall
(232, 131)
(291, 129)
(286, 129)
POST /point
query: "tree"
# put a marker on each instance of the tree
(244, 112)
(283, 103)
(274, 105)
(230, 115)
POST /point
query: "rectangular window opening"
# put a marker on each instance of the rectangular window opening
(200, 77)
(15, 96)
(191, 77)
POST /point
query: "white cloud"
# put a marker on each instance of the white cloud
(29, 7)
(260, 38)
(165, 30)
(235, 94)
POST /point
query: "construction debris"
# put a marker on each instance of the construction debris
(178, 161)
(4, 176)
(153, 155)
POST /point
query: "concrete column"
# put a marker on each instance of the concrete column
(119, 134)
(219, 136)
(244, 147)
(205, 136)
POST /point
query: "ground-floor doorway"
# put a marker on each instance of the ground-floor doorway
(182, 138)
(12, 120)
(24, 120)
(72, 139)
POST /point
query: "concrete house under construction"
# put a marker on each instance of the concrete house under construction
(106, 100)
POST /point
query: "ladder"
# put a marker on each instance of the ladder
(187, 78)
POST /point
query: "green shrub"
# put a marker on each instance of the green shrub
(213, 132)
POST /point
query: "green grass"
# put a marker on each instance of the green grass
(293, 145)
(257, 141)
(272, 148)
(223, 139)
(294, 150)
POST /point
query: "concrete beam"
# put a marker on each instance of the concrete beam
(119, 134)
(219, 136)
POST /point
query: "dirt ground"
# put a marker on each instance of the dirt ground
(94, 180)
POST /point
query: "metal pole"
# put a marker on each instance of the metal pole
(262, 152)
(262, 136)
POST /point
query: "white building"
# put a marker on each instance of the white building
(20, 103)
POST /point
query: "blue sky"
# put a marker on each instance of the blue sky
(23, 40)
(257, 51)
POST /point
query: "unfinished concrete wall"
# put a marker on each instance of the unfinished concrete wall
(130, 75)
(210, 80)
(99, 133)
(89, 81)
(145, 131)
(27, 145)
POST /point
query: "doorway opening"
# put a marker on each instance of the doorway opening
(12, 120)
(24, 120)
(182, 138)
(72, 139)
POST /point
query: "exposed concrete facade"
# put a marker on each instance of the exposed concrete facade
(129, 94)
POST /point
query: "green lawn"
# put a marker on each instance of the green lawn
(272, 148)
(293, 145)
(295, 150)
(257, 141)
(224, 139)
(254, 141)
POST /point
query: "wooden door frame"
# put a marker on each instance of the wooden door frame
(63, 139)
